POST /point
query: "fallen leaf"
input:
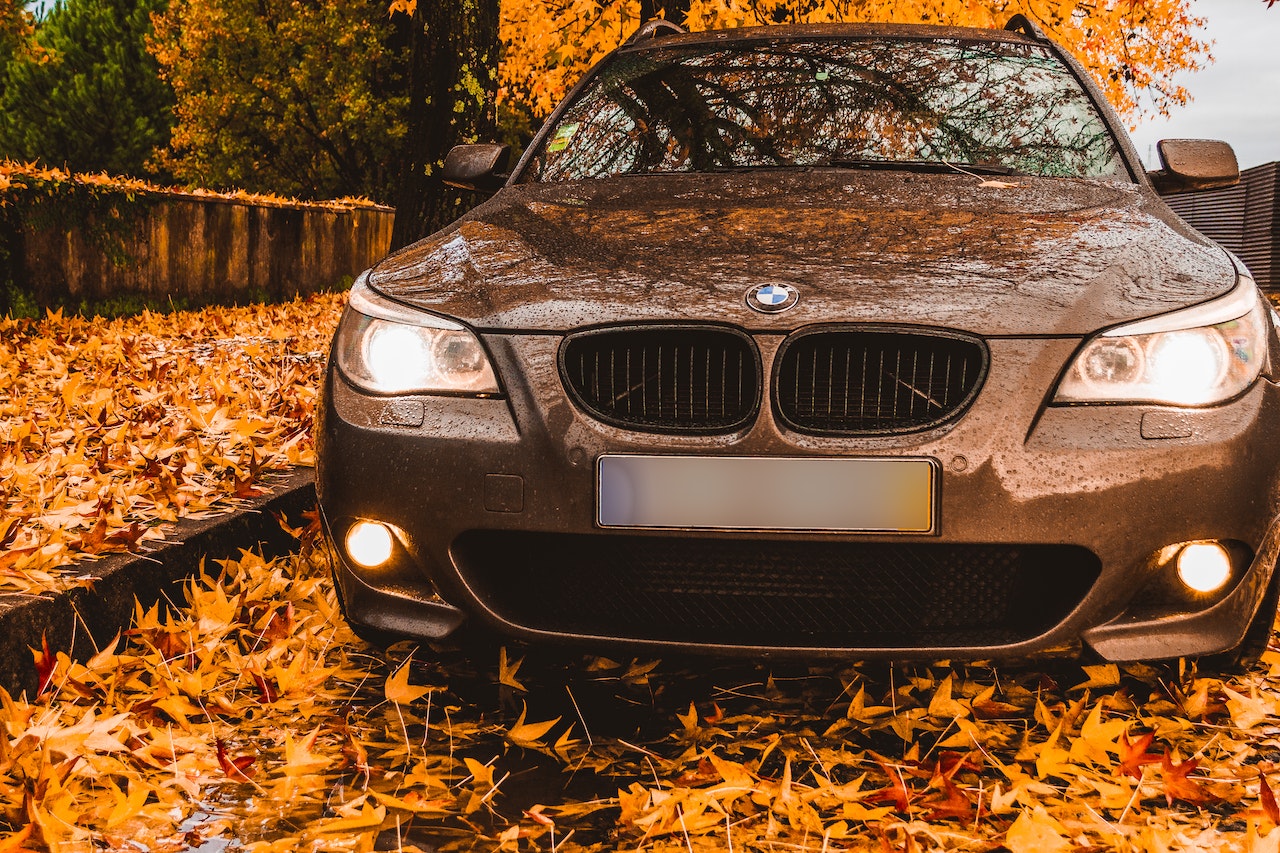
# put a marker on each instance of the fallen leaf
(528, 734)
(507, 671)
(398, 690)
(1177, 785)
(1035, 831)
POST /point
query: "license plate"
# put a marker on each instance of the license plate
(871, 495)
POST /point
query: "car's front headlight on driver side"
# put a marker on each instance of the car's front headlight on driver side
(387, 348)
(1197, 356)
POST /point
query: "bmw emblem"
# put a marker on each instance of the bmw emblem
(772, 298)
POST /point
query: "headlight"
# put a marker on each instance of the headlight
(389, 348)
(1194, 357)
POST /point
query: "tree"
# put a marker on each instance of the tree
(548, 44)
(303, 98)
(1132, 46)
(452, 99)
(15, 29)
(331, 97)
(80, 90)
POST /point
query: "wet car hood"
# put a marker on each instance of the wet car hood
(1042, 257)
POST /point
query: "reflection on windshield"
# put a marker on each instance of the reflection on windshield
(829, 102)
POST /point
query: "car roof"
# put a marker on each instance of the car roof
(661, 38)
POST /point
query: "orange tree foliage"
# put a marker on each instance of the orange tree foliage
(47, 181)
(1133, 47)
(15, 27)
(109, 428)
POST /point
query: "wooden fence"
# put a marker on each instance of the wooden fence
(188, 249)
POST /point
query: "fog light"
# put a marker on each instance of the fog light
(369, 543)
(1204, 566)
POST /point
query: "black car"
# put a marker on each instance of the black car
(869, 341)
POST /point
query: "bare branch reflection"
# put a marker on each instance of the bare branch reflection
(823, 102)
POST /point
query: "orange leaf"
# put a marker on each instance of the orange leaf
(1268, 799)
(240, 767)
(953, 803)
(128, 537)
(244, 488)
(46, 663)
(267, 692)
(94, 541)
(1133, 754)
(535, 814)
(897, 793)
(398, 689)
(988, 709)
(1176, 784)
(16, 840)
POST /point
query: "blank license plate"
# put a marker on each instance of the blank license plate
(767, 493)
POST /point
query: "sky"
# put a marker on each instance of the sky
(1237, 98)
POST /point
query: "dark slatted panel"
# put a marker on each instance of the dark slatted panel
(664, 379)
(1217, 214)
(773, 593)
(1260, 246)
(1245, 219)
(854, 381)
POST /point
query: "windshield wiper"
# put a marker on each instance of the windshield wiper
(938, 166)
(705, 169)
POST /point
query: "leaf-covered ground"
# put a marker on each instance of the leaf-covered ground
(253, 719)
(109, 428)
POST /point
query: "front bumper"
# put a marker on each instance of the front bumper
(454, 476)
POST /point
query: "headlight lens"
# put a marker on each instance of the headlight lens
(1194, 357)
(389, 348)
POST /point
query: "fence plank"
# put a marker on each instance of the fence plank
(200, 250)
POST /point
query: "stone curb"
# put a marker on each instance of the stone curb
(82, 620)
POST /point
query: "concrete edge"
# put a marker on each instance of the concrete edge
(80, 621)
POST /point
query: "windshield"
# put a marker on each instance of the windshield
(831, 102)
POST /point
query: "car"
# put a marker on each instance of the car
(824, 341)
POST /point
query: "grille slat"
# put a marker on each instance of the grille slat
(776, 593)
(908, 380)
(664, 378)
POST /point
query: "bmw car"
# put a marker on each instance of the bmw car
(869, 341)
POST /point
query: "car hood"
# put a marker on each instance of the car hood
(1011, 256)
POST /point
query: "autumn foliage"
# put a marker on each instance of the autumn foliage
(304, 99)
(15, 27)
(16, 178)
(110, 428)
(253, 717)
(1132, 46)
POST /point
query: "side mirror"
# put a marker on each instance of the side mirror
(1194, 164)
(476, 167)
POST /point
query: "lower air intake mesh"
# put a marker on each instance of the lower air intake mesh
(783, 594)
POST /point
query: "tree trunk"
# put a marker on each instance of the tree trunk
(453, 86)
